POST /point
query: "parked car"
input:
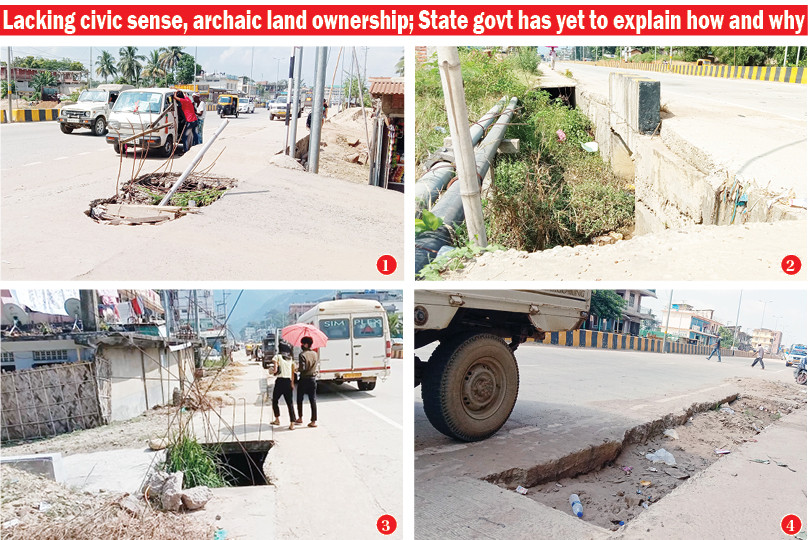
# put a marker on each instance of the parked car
(246, 105)
(795, 355)
(277, 108)
(137, 111)
(92, 110)
(227, 105)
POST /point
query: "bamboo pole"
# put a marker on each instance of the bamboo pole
(457, 112)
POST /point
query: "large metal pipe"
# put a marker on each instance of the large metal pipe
(292, 143)
(428, 187)
(450, 206)
(317, 109)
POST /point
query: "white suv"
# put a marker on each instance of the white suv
(92, 109)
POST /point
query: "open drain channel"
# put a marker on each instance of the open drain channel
(136, 202)
(616, 481)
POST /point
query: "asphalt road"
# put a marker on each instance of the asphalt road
(260, 230)
(756, 129)
(568, 396)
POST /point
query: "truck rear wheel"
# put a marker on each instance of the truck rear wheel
(366, 386)
(470, 386)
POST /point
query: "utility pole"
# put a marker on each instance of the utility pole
(8, 85)
(90, 75)
(289, 94)
(249, 85)
(667, 324)
(292, 133)
(196, 50)
(737, 318)
(785, 56)
(457, 112)
(317, 109)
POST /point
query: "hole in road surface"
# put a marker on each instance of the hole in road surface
(136, 202)
(243, 461)
(609, 491)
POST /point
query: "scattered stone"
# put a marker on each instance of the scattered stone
(671, 434)
(676, 473)
(195, 498)
(131, 504)
(158, 444)
(11, 523)
(171, 496)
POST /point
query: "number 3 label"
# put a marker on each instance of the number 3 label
(386, 524)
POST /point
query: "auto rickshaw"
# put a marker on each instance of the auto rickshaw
(227, 104)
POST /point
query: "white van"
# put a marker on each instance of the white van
(359, 345)
(135, 110)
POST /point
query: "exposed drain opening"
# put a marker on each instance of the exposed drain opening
(616, 482)
(562, 93)
(243, 461)
(136, 202)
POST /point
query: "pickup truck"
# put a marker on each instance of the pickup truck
(277, 108)
(470, 382)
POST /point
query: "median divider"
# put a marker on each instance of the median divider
(796, 75)
(610, 340)
(29, 115)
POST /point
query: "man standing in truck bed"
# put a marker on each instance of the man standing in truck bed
(309, 363)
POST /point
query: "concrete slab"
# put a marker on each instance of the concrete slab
(245, 512)
(114, 470)
(468, 508)
(48, 466)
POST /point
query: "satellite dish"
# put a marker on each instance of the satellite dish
(73, 308)
(15, 316)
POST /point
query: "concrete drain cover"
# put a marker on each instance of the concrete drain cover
(136, 203)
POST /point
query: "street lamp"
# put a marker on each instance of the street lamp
(277, 72)
(762, 317)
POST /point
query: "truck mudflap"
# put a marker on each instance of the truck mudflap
(470, 385)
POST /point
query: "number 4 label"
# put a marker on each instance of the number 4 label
(791, 525)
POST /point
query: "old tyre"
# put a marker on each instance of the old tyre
(99, 126)
(117, 148)
(66, 129)
(470, 386)
(801, 378)
(168, 146)
(366, 386)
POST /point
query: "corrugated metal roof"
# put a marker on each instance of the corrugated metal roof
(386, 86)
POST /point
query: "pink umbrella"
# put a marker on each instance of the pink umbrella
(294, 332)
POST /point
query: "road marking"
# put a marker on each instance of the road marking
(371, 411)
(32, 163)
(83, 154)
(61, 158)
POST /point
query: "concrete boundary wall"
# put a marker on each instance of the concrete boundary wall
(48, 401)
(797, 75)
(29, 115)
(609, 340)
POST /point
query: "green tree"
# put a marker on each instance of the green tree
(129, 64)
(5, 88)
(400, 67)
(41, 80)
(727, 337)
(106, 65)
(185, 69)
(741, 56)
(691, 54)
(153, 70)
(396, 324)
(606, 305)
(170, 57)
(352, 87)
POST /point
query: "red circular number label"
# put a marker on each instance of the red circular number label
(791, 525)
(791, 264)
(387, 523)
(387, 264)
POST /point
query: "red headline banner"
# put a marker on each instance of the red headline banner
(379, 20)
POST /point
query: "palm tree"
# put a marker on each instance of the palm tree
(41, 79)
(170, 57)
(400, 67)
(153, 70)
(128, 63)
(106, 65)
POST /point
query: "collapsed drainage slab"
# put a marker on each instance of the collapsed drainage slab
(243, 461)
(616, 482)
(136, 203)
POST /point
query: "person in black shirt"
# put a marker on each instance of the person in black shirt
(308, 366)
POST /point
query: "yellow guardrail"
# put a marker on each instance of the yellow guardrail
(797, 75)
(29, 115)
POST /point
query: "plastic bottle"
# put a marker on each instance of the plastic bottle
(577, 507)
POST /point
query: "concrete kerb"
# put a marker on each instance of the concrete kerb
(48, 466)
(29, 115)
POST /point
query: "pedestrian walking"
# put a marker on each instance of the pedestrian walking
(759, 357)
(187, 107)
(717, 349)
(284, 383)
(199, 109)
(309, 365)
